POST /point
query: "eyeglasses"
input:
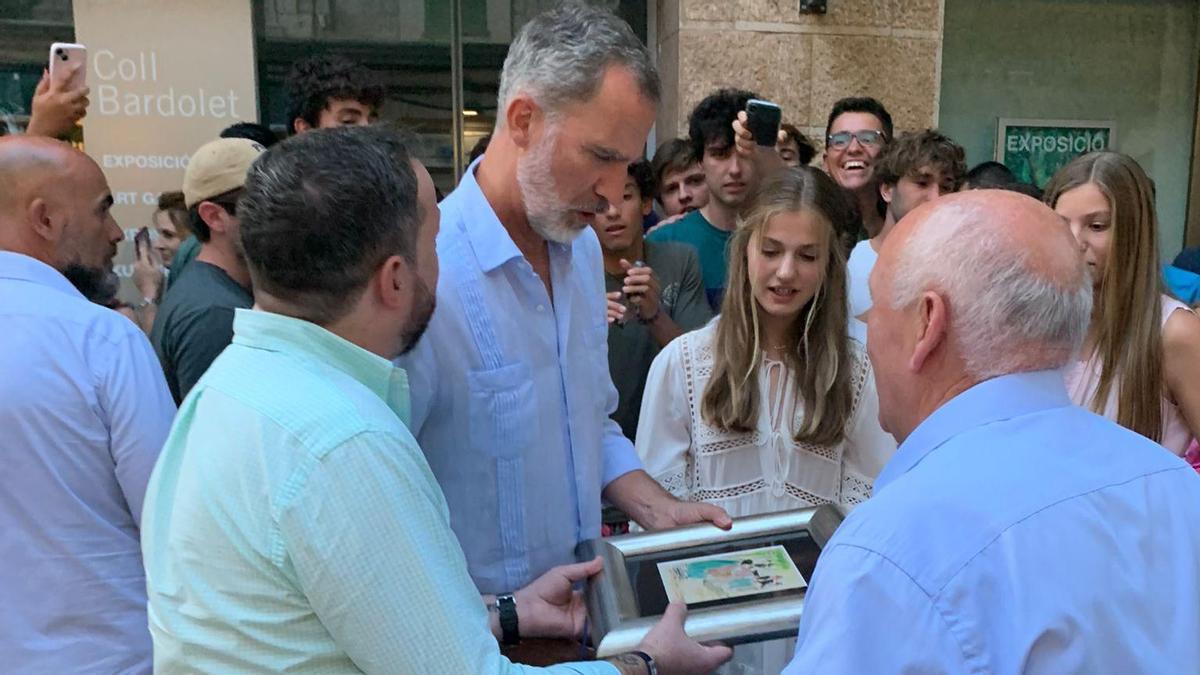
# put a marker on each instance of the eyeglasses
(867, 137)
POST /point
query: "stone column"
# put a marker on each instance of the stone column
(889, 49)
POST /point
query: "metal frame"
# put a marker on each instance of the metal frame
(616, 625)
(1003, 123)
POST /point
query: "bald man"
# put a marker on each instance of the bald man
(84, 410)
(1012, 531)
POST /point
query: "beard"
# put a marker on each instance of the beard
(422, 312)
(97, 284)
(548, 215)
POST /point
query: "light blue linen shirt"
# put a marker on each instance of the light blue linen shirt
(84, 410)
(1013, 532)
(292, 524)
(512, 395)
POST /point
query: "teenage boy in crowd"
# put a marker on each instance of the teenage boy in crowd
(732, 181)
(794, 148)
(655, 292)
(857, 131)
(679, 179)
(195, 322)
(190, 247)
(331, 91)
(916, 168)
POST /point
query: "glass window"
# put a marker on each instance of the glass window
(27, 29)
(407, 44)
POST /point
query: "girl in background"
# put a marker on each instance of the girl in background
(1140, 362)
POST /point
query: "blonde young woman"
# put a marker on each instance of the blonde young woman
(771, 406)
(1140, 363)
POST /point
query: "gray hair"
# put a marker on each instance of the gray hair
(1005, 317)
(561, 55)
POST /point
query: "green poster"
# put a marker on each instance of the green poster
(1035, 149)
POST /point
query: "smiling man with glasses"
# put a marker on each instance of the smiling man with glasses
(858, 130)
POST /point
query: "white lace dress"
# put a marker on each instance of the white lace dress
(761, 471)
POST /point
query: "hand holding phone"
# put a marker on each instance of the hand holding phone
(762, 120)
(141, 241)
(751, 131)
(68, 65)
(61, 98)
(147, 266)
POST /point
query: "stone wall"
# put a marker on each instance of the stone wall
(889, 49)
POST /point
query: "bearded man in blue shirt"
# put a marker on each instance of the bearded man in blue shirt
(511, 388)
(1012, 531)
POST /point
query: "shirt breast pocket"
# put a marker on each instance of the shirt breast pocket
(501, 406)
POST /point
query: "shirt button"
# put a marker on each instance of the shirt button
(541, 308)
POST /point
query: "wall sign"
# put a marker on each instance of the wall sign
(166, 76)
(1035, 149)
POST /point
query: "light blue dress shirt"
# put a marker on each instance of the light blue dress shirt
(512, 395)
(1014, 532)
(84, 410)
(292, 524)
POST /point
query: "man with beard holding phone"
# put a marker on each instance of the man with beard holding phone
(84, 411)
(511, 388)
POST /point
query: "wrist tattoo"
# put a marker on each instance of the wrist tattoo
(629, 664)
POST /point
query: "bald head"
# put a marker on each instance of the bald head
(973, 286)
(54, 206)
(1021, 225)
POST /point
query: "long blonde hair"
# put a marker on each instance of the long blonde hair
(1128, 324)
(819, 352)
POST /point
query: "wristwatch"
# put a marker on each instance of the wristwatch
(509, 632)
(146, 302)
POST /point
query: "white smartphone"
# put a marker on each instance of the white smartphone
(64, 56)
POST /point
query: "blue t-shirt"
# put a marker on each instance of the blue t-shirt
(711, 244)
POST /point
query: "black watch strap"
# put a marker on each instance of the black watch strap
(509, 630)
(651, 667)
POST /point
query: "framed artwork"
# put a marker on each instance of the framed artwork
(743, 585)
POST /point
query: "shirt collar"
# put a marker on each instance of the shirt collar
(278, 333)
(24, 268)
(989, 401)
(491, 241)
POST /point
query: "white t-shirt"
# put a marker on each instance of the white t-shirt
(858, 271)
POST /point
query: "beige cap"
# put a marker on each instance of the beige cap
(218, 167)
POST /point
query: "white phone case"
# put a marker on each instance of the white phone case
(64, 54)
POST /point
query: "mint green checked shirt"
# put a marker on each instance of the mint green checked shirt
(292, 523)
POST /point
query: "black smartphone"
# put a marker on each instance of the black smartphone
(141, 241)
(762, 120)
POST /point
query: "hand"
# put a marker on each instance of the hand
(674, 652)
(667, 221)
(766, 158)
(148, 274)
(675, 513)
(616, 311)
(652, 507)
(56, 109)
(550, 607)
(642, 289)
